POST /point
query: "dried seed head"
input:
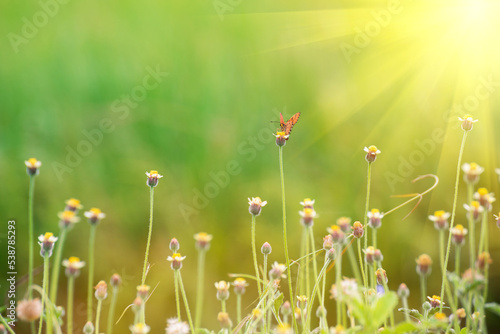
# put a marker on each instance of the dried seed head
(371, 153)
(255, 205)
(424, 263)
(32, 166)
(29, 310)
(266, 248)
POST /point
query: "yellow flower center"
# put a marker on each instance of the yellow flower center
(339, 328)
(482, 191)
(74, 259)
(153, 173)
(139, 326)
(439, 213)
(436, 297)
(32, 161)
(375, 211)
(256, 312)
(48, 235)
(440, 316)
(473, 166)
(468, 117)
(370, 250)
(95, 211)
(240, 280)
(335, 227)
(475, 204)
(459, 227)
(308, 211)
(307, 200)
(176, 256)
(73, 202)
(68, 214)
(280, 133)
(373, 149)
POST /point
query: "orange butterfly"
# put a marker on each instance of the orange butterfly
(287, 127)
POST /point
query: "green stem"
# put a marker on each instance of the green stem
(285, 241)
(30, 235)
(98, 315)
(200, 280)
(44, 294)
(90, 282)
(238, 308)
(423, 287)
(362, 266)
(4, 322)
(223, 305)
(177, 299)
(457, 273)
(374, 238)
(186, 305)
(457, 181)
(71, 298)
(307, 262)
(484, 239)
(441, 249)
(472, 228)
(367, 204)
(264, 285)
(313, 294)
(405, 306)
(57, 265)
(303, 262)
(338, 277)
(151, 198)
(254, 251)
(111, 313)
(354, 264)
(315, 264)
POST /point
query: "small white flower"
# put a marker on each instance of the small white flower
(33, 163)
(47, 237)
(174, 326)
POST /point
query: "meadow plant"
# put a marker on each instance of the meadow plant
(364, 303)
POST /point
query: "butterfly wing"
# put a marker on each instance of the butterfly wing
(290, 123)
(282, 122)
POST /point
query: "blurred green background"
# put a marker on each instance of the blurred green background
(230, 72)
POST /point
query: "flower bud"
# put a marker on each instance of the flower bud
(137, 304)
(467, 122)
(497, 218)
(377, 255)
(266, 248)
(424, 263)
(202, 241)
(143, 291)
(345, 224)
(46, 242)
(222, 290)
(281, 138)
(426, 306)
(239, 286)
(256, 205)
(3, 330)
(321, 312)
(224, 320)
(371, 153)
(286, 309)
(381, 276)
(101, 290)
(277, 270)
(153, 178)
(330, 254)
(369, 255)
(174, 245)
(115, 281)
(88, 328)
(327, 242)
(358, 230)
(94, 216)
(32, 166)
(483, 259)
(403, 291)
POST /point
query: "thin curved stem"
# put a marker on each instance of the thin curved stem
(200, 280)
(186, 305)
(91, 272)
(4, 322)
(313, 254)
(151, 200)
(98, 315)
(44, 293)
(472, 229)
(313, 293)
(452, 221)
(177, 300)
(367, 205)
(111, 313)
(361, 265)
(71, 293)
(57, 265)
(31, 244)
(254, 251)
(285, 240)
